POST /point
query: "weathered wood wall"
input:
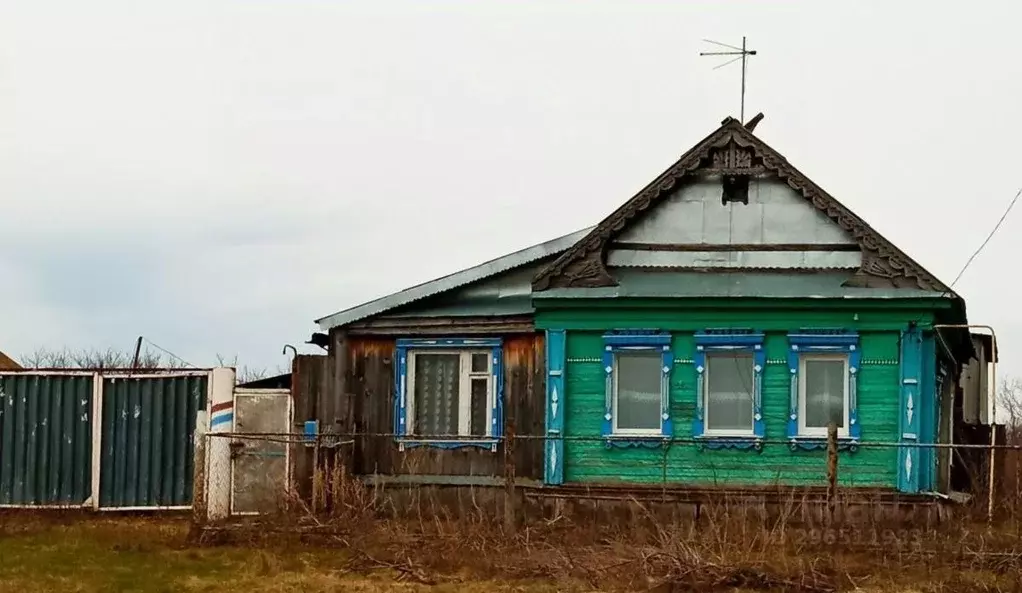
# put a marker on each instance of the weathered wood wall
(370, 378)
(351, 393)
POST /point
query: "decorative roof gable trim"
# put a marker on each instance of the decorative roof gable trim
(584, 264)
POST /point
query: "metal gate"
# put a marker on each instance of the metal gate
(259, 450)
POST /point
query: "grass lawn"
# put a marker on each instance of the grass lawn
(108, 554)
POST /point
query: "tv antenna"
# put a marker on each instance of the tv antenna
(742, 53)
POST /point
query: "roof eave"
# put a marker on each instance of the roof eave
(451, 281)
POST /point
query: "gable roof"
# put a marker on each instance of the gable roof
(7, 363)
(451, 281)
(732, 149)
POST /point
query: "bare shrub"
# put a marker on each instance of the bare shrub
(95, 358)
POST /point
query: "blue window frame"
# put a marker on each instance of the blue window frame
(449, 393)
(637, 367)
(729, 367)
(824, 368)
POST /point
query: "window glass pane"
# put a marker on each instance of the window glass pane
(638, 391)
(436, 394)
(480, 362)
(729, 387)
(825, 393)
(480, 404)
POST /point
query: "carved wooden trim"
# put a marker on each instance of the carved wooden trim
(883, 263)
(587, 272)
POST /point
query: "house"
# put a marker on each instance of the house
(703, 335)
(7, 363)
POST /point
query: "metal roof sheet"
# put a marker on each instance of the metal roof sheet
(684, 284)
(517, 305)
(474, 274)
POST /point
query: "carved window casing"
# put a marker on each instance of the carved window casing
(448, 393)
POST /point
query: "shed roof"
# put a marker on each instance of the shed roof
(451, 281)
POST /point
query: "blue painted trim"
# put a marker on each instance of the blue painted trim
(815, 444)
(462, 343)
(793, 395)
(553, 458)
(809, 338)
(744, 443)
(738, 342)
(497, 369)
(488, 443)
(698, 421)
(402, 391)
(908, 460)
(621, 442)
(634, 339)
(636, 342)
(608, 391)
(759, 363)
(221, 419)
(854, 366)
(666, 366)
(824, 342)
(712, 338)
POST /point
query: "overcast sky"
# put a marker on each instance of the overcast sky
(215, 175)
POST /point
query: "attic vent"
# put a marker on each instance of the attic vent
(736, 189)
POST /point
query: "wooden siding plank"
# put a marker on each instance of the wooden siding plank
(590, 460)
(371, 383)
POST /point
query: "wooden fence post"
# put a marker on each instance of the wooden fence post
(831, 472)
(510, 520)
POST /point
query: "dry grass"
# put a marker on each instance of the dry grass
(414, 534)
(358, 541)
(90, 554)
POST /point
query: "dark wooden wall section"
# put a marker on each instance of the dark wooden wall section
(310, 400)
(363, 379)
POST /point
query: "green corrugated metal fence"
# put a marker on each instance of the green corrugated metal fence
(147, 445)
(45, 439)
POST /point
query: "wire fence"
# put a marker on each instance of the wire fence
(263, 473)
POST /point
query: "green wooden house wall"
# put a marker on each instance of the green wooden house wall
(588, 460)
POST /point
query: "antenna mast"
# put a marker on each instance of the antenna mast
(742, 54)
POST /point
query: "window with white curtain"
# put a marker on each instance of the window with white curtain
(451, 393)
(637, 392)
(823, 393)
(729, 404)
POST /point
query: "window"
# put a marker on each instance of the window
(448, 392)
(637, 392)
(824, 367)
(451, 393)
(729, 377)
(729, 394)
(638, 369)
(823, 394)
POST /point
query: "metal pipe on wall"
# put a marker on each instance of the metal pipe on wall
(993, 404)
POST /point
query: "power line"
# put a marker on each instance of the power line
(990, 236)
(168, 352)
